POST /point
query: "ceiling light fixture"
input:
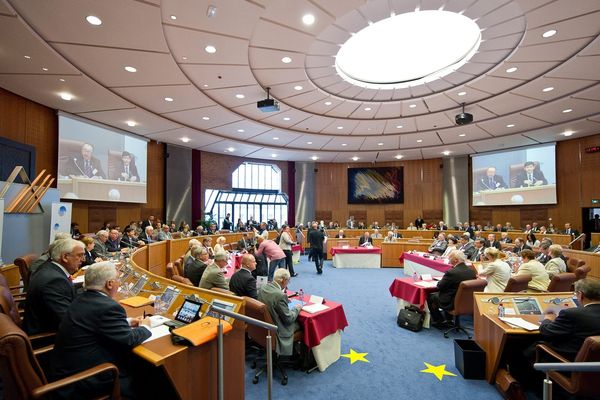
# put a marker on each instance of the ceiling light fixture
(462, 93)
(239, 96)
(130, 69)
(211, 11)
(298, 87)
(462, 135)
(286, 60)
(61, 79)
(206, 118)
(355, 158)
(380, 144)
(412, 106)
(367, 108)
(314, 158)
(184, 58)
(399, 126)
(548, 89)
(93, 20)
(66, 96)
(44, 69)
(173, 17)
(27, 57)
(340, 127)
(286, 118)
(131, 123)
(210, 49)
(344, 144)
(568, 133)
(511, 70)
(275, 138)
(169, 99)
(308, 19)
(241, 130)
(510, 125)
(399, 157)
(327, 103)
(568, 110)
(446, 153)
(308, 142)
(185, 139)
(230, 149)
(273, 155)
(419, 140)
(549, 33)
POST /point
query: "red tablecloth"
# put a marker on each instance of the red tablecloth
(355, 250)
(322, 324)
(438, 265)
(405, 289)
(234, 263)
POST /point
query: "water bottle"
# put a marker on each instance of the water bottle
(415, 276)
(301, 295)
(500, 310)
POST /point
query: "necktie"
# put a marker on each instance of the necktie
(530, 177)
(491, 183)
(127, 169)
(88, 169)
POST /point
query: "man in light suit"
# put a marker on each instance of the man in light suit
(146, 237)
(213, 276)
(277, 303)
(242, 283)
(96, 330)
(491, 181)
(50, 288)
(439, 246)
(164, 234)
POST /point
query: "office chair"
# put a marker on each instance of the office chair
(581, 272)
(169, 271)
(22, 376)
(562, 282)
(517, 283)
(173, 274)
(463, 303)
(574, 263)
(584, 384)
(24, 262)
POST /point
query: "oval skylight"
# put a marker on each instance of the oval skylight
(408, 49)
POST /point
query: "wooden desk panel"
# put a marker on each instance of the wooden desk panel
(334, 242)
(591, 259)
(391, 252)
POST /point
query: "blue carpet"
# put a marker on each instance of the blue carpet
(395, 355)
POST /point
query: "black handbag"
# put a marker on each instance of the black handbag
(411, 318)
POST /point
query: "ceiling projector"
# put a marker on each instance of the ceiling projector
(463, 118)
(268, 104)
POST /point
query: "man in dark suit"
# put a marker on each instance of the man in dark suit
(448, 287)
(316, 238)
(364, 239)
(520, 245)
(148, 222)
(196, 265)
(146, 237)
(466, 246)
(570, 231)
(227, 225)
(491, 181)
(126, 171)
(492, 242)
(340, 234)
(479, 249)
(95, 330)
(530, 176)
(85, 164)
(505, 238)
(242, 283)
(129, 241)
(50, 288)
(245, 243)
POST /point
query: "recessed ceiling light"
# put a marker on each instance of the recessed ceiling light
(211, 11)
(462, 93)
(44, 69)
(355, 158)
(548, 89)
(184, 58)
(399, 126)
(286, 60)
(510, 125)
(380, 144)
(327, 103)
(286, 118)
(314, 158)
(419, 140)
(173, 17)
(241, 130)
(169, 99)
(210, 49)
(131, 123)
(568, 110)
(205, 85)
(206, 118)
(230, 149)
(367, 108)
(66, 96)
(275, 138)
(344, 144)
(273, 155)
(567, 133)
(446, 153)
(185, 139)
(240, 96)
(511, 70)
(308, 142)
(298, 87)
(308, 19)
(462, 135)
(130, 69)
(412, 106)
(549, 33)
(93, 20)
(398, 157)
(27, 57)
(61, 79)
(340, 127)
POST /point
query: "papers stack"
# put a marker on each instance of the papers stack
(314, 308)
(426, 284)
(520, 323)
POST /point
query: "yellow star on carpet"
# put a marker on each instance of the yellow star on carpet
(354, 356)
(439, 371)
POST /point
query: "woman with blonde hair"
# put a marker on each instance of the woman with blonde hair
(496, 271)
(220, 246)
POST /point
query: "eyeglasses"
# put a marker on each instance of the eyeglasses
(77, 255)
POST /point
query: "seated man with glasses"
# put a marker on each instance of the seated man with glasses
(51, 289)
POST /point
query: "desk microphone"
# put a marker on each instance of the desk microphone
(127, 244)
(78, 167)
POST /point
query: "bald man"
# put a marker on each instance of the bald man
(242, 283)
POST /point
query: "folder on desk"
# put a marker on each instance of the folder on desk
(202, 331)
(136, 301)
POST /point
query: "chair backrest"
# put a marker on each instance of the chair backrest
(19, 370)
(258, 310)
(574, 263)
(181, 279)
(517, 283)
(23, 263)
(463, 302)
(581, 272)
(586, 383)
(177, 266)
(170, 271)
(562, 282)
(8, 306)
(221, 290)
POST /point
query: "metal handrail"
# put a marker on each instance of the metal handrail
(564, 367)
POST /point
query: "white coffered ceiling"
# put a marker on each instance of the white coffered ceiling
(327, 117)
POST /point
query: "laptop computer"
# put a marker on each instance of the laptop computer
(187, 313)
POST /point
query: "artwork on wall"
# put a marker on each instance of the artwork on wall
(375, 185)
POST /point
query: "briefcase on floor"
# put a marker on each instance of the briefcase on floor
(411, 318)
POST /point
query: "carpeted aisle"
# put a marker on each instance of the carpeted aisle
(396, 356)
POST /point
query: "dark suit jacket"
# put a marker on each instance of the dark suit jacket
(50, 295)
(242, 283)
(477, 253)
(76, 166)
(146, 239)
(316, 238)
(495, 244)
(94, 331)
(574, 232)
(484, 183)
(113, 246)
(363, 240)
(340, 237)
(245, 244)
(522, 176)
(517, 250)
(121, 170)
(448, 286)
(194, 270)
(570, 328)
(128, 242)
(89, 259)
(469, 249)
